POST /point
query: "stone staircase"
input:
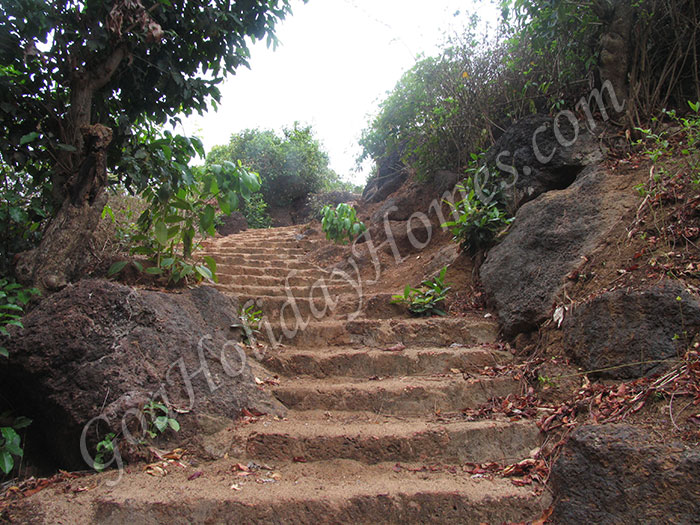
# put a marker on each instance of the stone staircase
(362, 442)
(372, 433)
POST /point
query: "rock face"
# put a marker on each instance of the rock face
(103, 348)
(524, 273)
(621, 474)
(231, 224)
(622, 327)
(522, 154)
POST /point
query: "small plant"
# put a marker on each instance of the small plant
(250, 320)
(340, 224)
(10, 443)
(477, 224)
(428, 298)
(105, 448)
(13, 298)
(158, 419)
(171, 226)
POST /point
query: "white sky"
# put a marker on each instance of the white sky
(335, 62)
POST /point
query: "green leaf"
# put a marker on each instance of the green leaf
(116, 268)
(154, 270)
(161, 233)
(211, 263)
(21, 422)
(167, 262)
(6, 461)
(206, 220)
(29, 137)
(204, 272)
(4, 352)
(174, 424)
(161, 423)
(13, 307)
(12, 441)
(138, 266)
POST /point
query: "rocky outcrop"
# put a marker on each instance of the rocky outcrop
(101, 348)
(613, 474)
(421, 197)
(539, 154)
(232, 224)
(639, 329)
(523, 275)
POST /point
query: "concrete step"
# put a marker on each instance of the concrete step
(434, 331)
(276, 281)
(329, 492)
(406, 396)
(272, 271)
(270, 290)
(368, 438)
(368, 362)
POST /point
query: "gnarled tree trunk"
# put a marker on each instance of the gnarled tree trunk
(65, 249)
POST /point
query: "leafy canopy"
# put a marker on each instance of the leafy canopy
(131, 65)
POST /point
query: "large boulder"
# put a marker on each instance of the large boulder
(232, 224)
(622, 474)
(525, 149)
(639, 329)
(523, 274)
(101, 348)
(415, 196)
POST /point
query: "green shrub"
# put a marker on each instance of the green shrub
(10, 442)
(169, 227)
(291, 164)
(255, 212)
(158, 419)
(340, 224)
(428, 299)
(13, 298)
(477, 224)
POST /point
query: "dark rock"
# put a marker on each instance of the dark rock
(379, 188)
(621, 327)
(514, 157)
(99, 347)
(232, 224)
(417, 197)
(621, 474)
(523, 274)
(316, 201)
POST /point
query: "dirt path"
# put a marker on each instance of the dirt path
(361, 442)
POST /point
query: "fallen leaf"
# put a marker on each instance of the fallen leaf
(398, 347)
(299, 459)
(196, 475)
(545, 516)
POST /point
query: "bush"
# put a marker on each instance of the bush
(477, 223)
(448, 106)
(255, 212)
(291, 165)
(317, 201)
(23, 211)
(428, 299)
(340, 224)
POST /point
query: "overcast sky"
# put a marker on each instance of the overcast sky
(336, 60)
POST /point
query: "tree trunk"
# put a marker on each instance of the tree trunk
(614, 62)
(64, 252)
(79, 179)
